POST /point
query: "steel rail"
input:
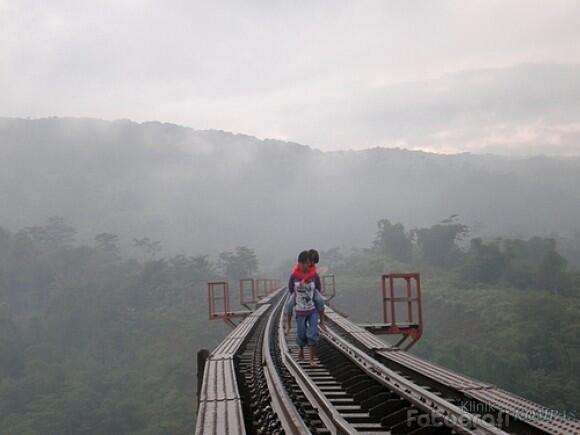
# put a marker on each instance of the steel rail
(514, 414)
(280, 401)
(332, 419)
(272, 392)
(452, 416)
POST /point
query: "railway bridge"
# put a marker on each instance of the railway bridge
(253, 383)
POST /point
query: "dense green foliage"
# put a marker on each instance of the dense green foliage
(523, 264)
(392, 241)
(94, 344)
(241, 263)
(524, 341)
(503, 311)
(533, 263)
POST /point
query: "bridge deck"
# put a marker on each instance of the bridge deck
(220, 407)
(490, 395)
(362, 385)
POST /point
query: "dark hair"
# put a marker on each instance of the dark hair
(304, 257)
(314, 257)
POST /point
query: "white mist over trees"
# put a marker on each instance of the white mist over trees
(207, 191)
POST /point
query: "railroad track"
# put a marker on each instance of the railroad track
(354, 389)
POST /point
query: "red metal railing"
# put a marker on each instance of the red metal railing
(212, 298)
(261, 288)
(219, 291)
(328, 286)
(243, 291)
(266, 286)
(395, 306)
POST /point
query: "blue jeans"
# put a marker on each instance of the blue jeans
(307, 329)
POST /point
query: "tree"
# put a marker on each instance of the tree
(242, 263)
(35, 234)
(485, 263)
(190, 270)
(535, 263)
(524, 264)
(201, 268)
(393, 241)
(149, 247)
(438, 244)
(77, 335)
(5, 248)
(59, 233)
(570, 248)
(552, 271)
(108, 243)
(332, 257)
(56, 234)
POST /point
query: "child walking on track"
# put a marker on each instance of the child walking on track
(305, 298)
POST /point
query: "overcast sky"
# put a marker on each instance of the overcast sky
(447, 76)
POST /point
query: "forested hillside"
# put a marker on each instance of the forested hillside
(205, 191)
(91, 343)
(506, 311)
(103, 308)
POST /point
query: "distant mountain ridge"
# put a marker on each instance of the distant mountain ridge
(200, 190)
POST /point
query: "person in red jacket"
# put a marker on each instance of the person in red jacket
(305, 298)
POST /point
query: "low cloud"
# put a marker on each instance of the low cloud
(455, 76)
(531, 108)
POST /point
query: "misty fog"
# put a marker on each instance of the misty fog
(207, 191)
(150, 148)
